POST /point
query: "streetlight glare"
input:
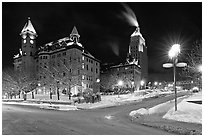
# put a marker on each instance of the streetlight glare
(200, 68)
(120, 82)
(174, 51)
(142, 82)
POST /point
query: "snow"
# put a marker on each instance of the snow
(109, 117)
(187, 112)
(45, 105)
(28, 27)
(112, 100)
(106, 100)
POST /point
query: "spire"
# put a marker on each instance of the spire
(28, 28)
(74, 32)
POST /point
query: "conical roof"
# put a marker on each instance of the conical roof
(74, 32)
(28, 28)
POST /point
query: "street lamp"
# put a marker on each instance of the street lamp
(120, 83)
(142, 83)
(173, 54)
(133, 85)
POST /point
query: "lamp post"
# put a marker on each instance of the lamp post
(142, 83)
(133, 85)
(120, 83)
(57, 89)
(173, 54)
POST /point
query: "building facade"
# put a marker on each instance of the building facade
(63, 63)
(129, 74)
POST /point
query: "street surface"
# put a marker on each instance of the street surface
(30, 120)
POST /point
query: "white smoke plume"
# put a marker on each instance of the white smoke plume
(130, 15)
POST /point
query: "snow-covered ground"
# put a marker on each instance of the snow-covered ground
(106, 100)
(112, 100)
(46, 105)
(187, 112)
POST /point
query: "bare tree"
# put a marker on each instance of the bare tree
(58, 76)
(17, 82)
(194, 61)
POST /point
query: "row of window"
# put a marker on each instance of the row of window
(43, 57)
(85, 77)
(88, 86)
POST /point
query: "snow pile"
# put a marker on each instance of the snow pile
(161, 108)
(187, 112)
(141, 111)
(112, 100)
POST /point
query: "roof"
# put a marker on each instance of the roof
(28, 28)
(74, 32)
(137, 33)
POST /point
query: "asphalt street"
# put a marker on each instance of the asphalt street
(30, 120)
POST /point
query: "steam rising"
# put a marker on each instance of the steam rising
(114, 47)
(130, 16)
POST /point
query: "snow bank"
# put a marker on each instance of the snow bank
(161, 108)
(141, 111)
(187, 112)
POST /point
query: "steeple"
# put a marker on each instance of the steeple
(74, 32)
(28, 28)
(74, 35)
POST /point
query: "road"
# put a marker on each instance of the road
(27, 120)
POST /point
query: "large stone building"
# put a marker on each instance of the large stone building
(63, 62)
(131, 72)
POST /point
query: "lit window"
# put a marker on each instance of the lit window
(83, 77)
(83, 66)
(82, 57)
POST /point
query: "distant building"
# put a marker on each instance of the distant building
(64, 62)
(128, 73)
(132, 71)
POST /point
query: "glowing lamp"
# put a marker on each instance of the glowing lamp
(142, 82)
(174, 51)
(120, 83)
(200, 68)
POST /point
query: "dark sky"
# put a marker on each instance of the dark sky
(104, 33)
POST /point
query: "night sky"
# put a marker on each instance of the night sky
(104, 31)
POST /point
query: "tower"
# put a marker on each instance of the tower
(75, 35)
(138, 52)
(28, 45)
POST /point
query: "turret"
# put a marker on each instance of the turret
(75, 35)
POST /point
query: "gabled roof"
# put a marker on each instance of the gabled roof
(74, 32)
(28, 28)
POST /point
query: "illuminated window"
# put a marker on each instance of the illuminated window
(83, 77)
(82, 65)
(82, 57)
